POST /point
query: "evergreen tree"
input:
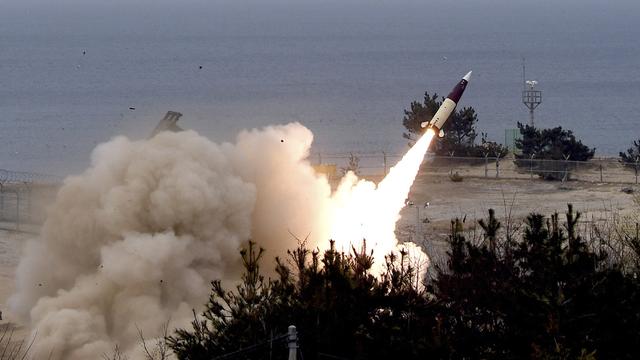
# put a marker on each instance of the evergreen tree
(546, 295)
(631, 158)
(537, 145)
(551, 144)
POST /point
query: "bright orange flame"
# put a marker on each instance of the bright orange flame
(366, 211)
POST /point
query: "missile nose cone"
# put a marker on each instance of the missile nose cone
(468, 76)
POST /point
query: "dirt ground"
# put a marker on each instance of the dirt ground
(436, 200)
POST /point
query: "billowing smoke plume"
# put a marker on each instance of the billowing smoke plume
(134, 240)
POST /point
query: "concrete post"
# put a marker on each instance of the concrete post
(292, 342)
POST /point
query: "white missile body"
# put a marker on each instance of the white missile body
(448, 105)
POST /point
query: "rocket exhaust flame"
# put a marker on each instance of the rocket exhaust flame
(366, 211)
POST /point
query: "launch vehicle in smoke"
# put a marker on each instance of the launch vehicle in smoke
(447, 107)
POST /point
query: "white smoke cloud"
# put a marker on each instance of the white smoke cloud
(292, 199)
(135, 240)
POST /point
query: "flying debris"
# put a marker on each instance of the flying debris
(447, 107)
(168, 123)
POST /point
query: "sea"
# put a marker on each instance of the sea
(74, 74)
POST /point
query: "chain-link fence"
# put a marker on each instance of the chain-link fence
(605, 170)
(22, 198)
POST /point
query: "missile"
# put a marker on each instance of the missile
(447, 107)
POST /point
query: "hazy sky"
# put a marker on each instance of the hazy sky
(282, 17)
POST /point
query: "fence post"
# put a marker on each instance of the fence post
(636, 171)
(531, 166)
(1, 201)
(384, 160)
(600, 172)
(451, 153)
(486, 165)
(18, 209)
(418, 226)
(25, 185)
(566, 167)
(292, 342)
(497, 167)
(319, 158)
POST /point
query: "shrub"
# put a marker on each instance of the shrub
(631, 158)
(538, 145)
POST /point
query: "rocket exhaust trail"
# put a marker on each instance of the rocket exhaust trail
(366, 211)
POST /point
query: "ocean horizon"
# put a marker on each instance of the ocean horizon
(70, 80)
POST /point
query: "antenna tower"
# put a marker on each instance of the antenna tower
(531, 98)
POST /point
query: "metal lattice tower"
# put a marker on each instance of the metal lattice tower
(531, 98)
